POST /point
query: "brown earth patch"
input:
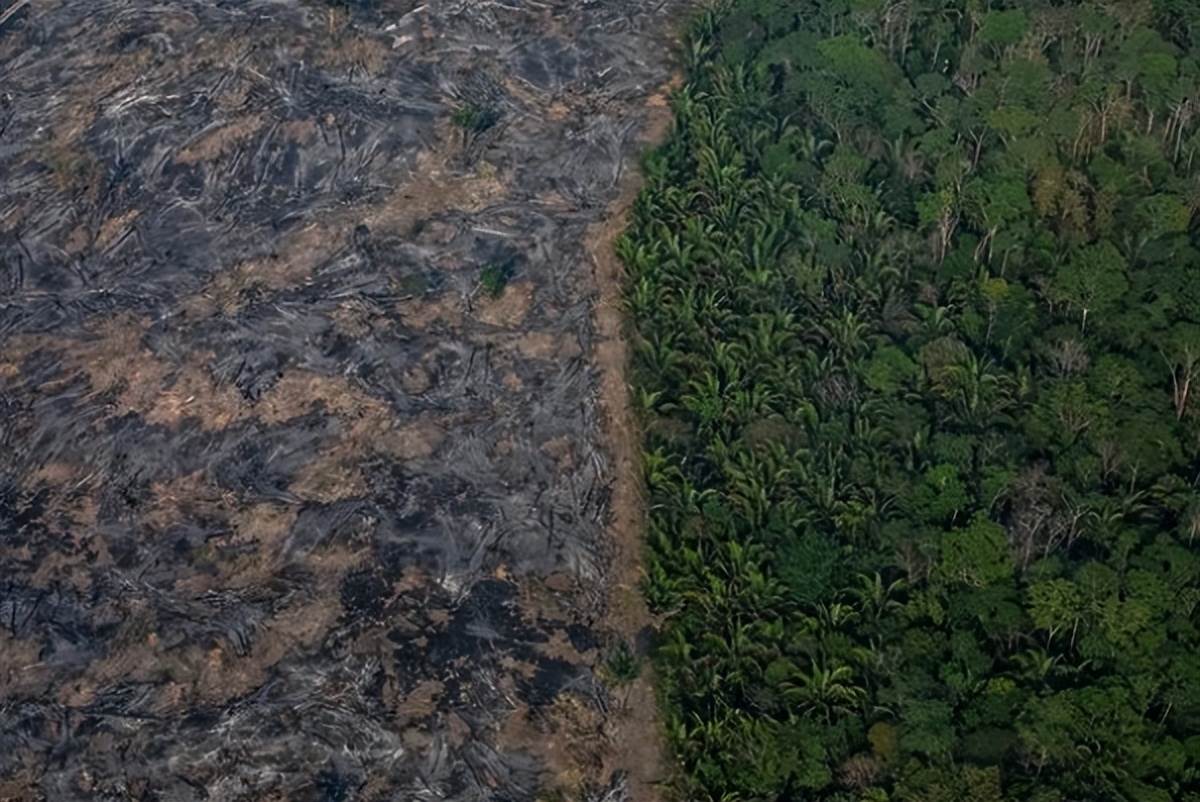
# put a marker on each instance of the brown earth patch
(116, 228)
(356, 54)
(22, 674)
(22, 787)
(265, 526)
(193, 395)
(184, 497)
(74, 168)
(132, 654)
(333, 476)
(421, 701)
(370, 422)
(302, 132)
(263, 523)
(55, 473)
(559, 647)
(416, 380)
(512, 381)
(112, 356)
(219, 141)
(415, 441)
(422, 313)
(290, 265)
(508, 310)
(299, 392)
(515, 667)
(433, 187)
(223, 675)
(369, 428)
(73, 569)
(568, 736)
(638, 739)
(546, 345)
(561, 450)
(215, 673)
(357, 319)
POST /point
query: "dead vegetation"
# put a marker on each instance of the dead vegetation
(315, 508)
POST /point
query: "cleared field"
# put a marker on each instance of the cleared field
(305, 491)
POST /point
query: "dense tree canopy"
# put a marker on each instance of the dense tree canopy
(915, 287)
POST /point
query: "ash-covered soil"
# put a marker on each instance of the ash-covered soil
(291, 506)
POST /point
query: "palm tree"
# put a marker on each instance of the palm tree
(875, 596)
(977, 391)
(825, 691)
(660, 470)
(847, 336)
(813, 148)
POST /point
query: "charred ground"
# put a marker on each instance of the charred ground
(291, 505)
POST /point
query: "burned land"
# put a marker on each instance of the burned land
(308, 384)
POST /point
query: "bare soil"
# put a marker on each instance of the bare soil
(638, 737)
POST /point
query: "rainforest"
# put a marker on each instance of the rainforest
(914, 299)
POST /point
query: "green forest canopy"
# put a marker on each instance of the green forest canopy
(915, 287)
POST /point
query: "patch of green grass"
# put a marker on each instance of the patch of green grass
(475, 118)
(413, 284)
(494, 278)
(621, 665)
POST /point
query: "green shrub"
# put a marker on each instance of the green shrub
(621, 665)
(494, 278)
(474, 118)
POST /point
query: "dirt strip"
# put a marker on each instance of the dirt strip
(639, 737)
